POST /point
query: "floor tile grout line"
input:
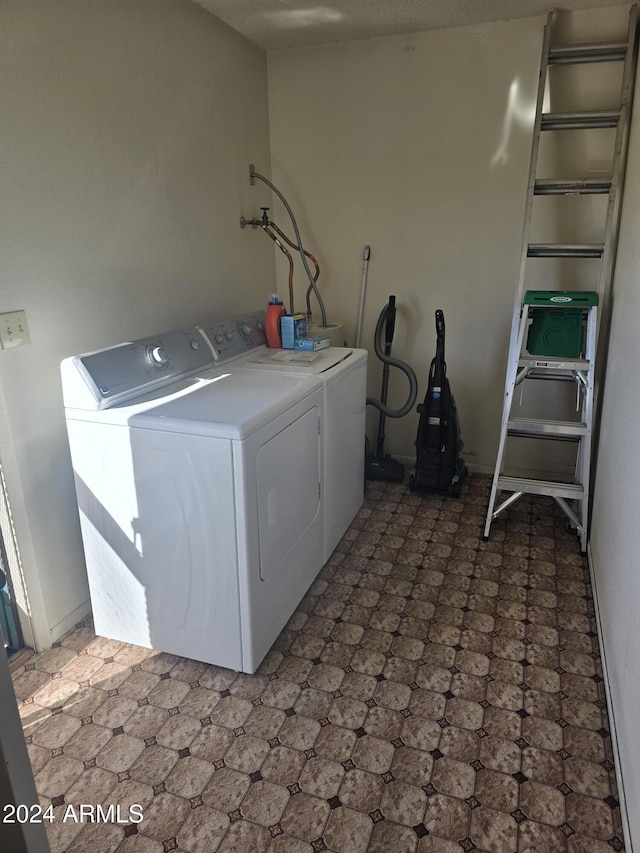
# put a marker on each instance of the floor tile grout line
(402, 570)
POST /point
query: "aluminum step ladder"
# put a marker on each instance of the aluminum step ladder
(572, 497)
(574, 365)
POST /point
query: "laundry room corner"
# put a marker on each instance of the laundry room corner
(428, 122)
(127, 131)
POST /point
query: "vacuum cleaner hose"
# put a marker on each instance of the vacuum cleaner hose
(392, 362)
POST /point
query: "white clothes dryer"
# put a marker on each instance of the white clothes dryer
(199, 494)
(343, 372)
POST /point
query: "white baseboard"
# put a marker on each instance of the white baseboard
(626, 829)
(69, 622)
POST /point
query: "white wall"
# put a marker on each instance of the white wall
(419, 146)
(127, 129)
(408, 144)
(616, 505)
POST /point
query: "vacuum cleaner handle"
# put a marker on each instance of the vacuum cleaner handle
(440, 336)
(390, 325)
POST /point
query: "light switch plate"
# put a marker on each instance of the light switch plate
(13, 329)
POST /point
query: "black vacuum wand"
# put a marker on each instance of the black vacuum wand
(380, 465)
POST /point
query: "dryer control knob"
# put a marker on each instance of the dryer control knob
(158, 356)
(245, 330)
(228, 336)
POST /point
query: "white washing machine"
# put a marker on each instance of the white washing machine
(343, 372)
(199, 492)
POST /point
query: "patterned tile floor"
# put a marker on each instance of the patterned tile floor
(431, 693)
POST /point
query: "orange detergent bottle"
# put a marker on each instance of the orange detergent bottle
(275, 310)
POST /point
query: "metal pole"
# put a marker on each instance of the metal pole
(365, 271)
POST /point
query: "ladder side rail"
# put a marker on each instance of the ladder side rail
(586, 445)
(618, 168)
(517, 327)
(533, 165)
(583, 456)
(585, 378)
(510, 386)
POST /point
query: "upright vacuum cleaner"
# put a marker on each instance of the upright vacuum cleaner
(439, 466)
(380, 465)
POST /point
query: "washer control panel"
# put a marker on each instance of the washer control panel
(134, 368)
(237, 336)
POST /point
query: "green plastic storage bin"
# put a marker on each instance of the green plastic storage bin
(556, 332)
(557, 321)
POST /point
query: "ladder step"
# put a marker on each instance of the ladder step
(572, 54)
(565, 250)
(546, 429)
(552, 363)
(570, 491)
(579, 121)
(578, 186)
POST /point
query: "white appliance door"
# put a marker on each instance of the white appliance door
(278, 474)
(288, 483)
(158, 522)
(187, 538)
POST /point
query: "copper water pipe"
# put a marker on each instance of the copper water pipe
(293, 246)
(284, 249)
(264, 224)
(309, 255)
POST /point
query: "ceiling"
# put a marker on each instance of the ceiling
(274, 24)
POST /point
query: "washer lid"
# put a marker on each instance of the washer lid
(232, 405)
(301, 362)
